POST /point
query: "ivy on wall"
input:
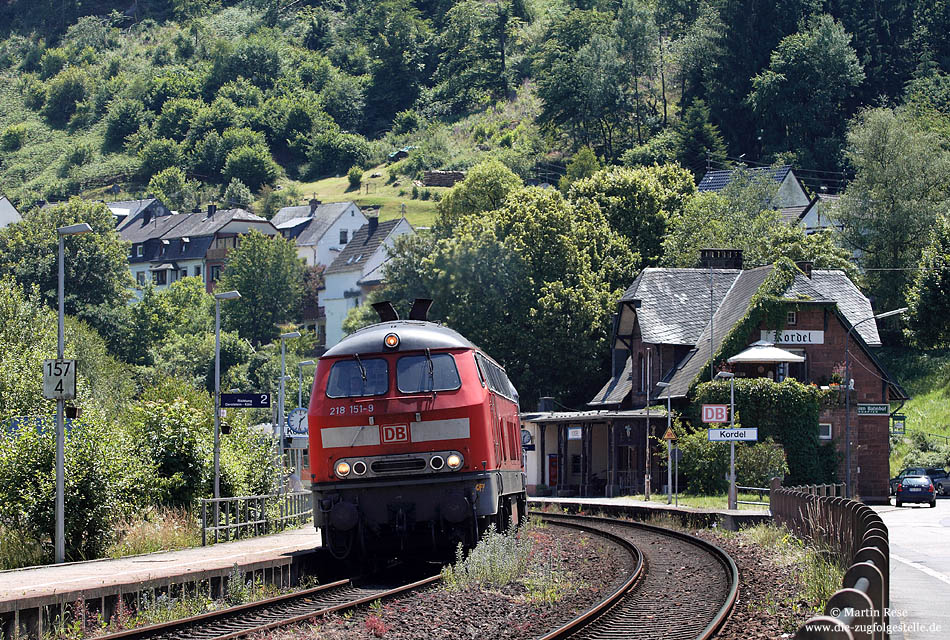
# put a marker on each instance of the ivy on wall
(767, 308)
(786, 411)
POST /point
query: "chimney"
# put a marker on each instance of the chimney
(211, 209)
(314, 203)
(197, 209)
(806, 266)
(373, 225)
(720, 258)
(545, 404)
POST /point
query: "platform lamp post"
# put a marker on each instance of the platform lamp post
(646, 450)
(218, 297)
(280, 397)
(669, 446)
(300, 366)
(60, 547)
(725, 375)
(848, 383)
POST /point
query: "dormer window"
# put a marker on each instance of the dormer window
(139, 251)
(344, 236)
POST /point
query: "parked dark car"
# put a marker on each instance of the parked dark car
(939, 476)
(915, 489)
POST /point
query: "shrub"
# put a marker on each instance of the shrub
(34, 91)
(355, 177)
(252, 165)
(79, 155)
(156, 530)
(757, 464)
(52, 62)
(13, 136)
(123, 118)
(64, 92)
(333, 152)
(705, 464)
(237, 194)
(498, 559)
(158, 154)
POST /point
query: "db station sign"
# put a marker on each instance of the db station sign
(716, 413)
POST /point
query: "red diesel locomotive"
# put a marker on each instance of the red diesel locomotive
(414, 440)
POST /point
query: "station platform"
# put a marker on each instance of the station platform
(31, 597)
(731, 519)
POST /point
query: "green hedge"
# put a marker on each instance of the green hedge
(786, 411)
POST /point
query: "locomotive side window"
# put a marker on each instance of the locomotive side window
(427, 373)
(354, 378)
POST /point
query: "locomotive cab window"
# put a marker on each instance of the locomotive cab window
(354, 378)
(427, 373)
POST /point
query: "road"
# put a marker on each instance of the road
(920, 569)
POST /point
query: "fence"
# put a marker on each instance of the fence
(853, 531)
(246, 516)
(762, 491)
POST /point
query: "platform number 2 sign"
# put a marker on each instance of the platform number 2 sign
(396, 433)
(59, 379)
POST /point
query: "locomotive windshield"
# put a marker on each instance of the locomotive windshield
(354, 378)
(437, 372)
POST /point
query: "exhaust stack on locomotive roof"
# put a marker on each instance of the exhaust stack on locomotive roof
(419, 311)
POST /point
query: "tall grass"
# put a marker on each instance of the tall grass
(498, 559)
(157, 530)
(19, 550)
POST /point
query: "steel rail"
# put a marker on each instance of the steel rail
(594, 612)
(250, 617)
(725, 561)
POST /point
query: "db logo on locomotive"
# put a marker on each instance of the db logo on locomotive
(395, 433)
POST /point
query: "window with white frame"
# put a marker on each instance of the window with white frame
(824, 431)
(792, 318)
(139, 250)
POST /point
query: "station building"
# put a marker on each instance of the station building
(667, 325)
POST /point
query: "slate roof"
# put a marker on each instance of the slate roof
(137, 230)
(803, 288)
(836, 285)
(617, 388)
(732, 309)
(717, 180)
(361, 247)
(317, 222)
(791, 215)
(130, 207)
(194, 225)
(671, 309)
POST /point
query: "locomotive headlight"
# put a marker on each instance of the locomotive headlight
(436, 462)
(391, 341)
(342, 469)
(359, 467)
(454, 461)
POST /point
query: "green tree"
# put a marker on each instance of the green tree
(252, 166)
(929, 294)
(485, 187)
(96, 268)
(902, 176)
(799, 100)
(173, 188)
(638, 202)
(123, 119)
(237, 195)
(584, 164)
(64, 93)
(269, 275)
(698, 141)
(821, 248)
(158, 154)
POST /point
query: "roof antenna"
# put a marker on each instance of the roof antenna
(420, 309)
(386, 311)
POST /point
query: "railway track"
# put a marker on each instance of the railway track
(683, 588)
(265, 615)
(678, 587)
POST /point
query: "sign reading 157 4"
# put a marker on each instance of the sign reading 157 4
(59, 379)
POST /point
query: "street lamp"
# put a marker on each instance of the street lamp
(646, 450)
(848, 383)
(300, 366)
(280, 398)
(725, 375)
(669, 446)
(60, 546)
(218, 297)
